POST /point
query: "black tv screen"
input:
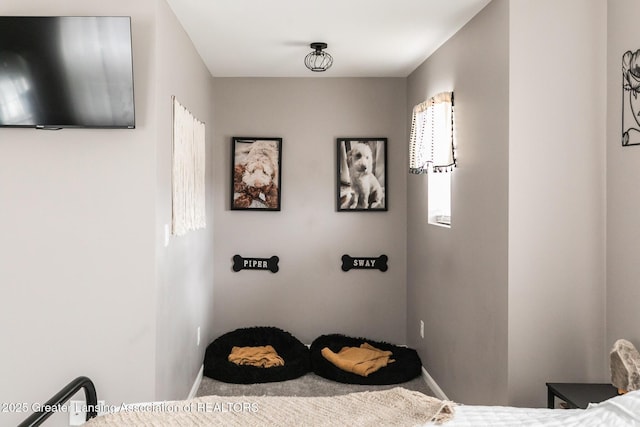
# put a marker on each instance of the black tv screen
(71, 71)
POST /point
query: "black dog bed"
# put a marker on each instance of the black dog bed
(406, 367)
(294, 353)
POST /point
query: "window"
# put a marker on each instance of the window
(432, 152)
(439, 198)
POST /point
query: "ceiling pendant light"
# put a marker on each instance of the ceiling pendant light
(318, 60)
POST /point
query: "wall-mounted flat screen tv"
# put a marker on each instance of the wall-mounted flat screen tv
(66, 72)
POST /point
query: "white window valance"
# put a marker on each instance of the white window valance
(431, 139)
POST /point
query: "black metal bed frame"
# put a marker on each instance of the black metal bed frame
(63, 396)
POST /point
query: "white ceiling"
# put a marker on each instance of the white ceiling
(367, 38)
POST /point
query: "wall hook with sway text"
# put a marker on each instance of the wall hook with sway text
(379, 263)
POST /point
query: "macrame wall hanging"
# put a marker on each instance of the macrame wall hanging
(188, 172)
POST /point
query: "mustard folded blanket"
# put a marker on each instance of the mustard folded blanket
(262, 356)
(363, 360)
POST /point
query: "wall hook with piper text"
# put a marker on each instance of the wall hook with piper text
(242, 263)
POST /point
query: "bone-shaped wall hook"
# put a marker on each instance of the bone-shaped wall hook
(379, 263)
(242, 263)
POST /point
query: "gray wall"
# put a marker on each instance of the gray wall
(519, 278)
(184, 268)
(512, 295)
(457, 277)
(556, 195)
(623, 192)
(87, 287)
(311, 295)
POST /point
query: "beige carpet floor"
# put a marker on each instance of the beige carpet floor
(307, 385)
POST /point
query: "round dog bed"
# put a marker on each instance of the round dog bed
(294, 353)
(407, 363)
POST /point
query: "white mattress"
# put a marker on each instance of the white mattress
(622, 411)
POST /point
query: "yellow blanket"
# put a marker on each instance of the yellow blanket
(363, 360)
(262, 356)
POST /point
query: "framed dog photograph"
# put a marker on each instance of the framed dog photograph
(255, 173)
(362, 174)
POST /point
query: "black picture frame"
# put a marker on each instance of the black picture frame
(256, 173)
(362, 175)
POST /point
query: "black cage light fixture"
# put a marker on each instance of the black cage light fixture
(318, 60)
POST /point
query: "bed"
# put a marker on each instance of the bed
(397, 406)
(406, 365)
(294, 353)
(619, 411)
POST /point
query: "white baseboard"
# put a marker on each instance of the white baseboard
(431, 383)
(196, 384)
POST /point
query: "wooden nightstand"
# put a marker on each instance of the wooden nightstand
(579, 395)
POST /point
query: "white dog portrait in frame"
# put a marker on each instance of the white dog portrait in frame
(256, 173)
(362, 174)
